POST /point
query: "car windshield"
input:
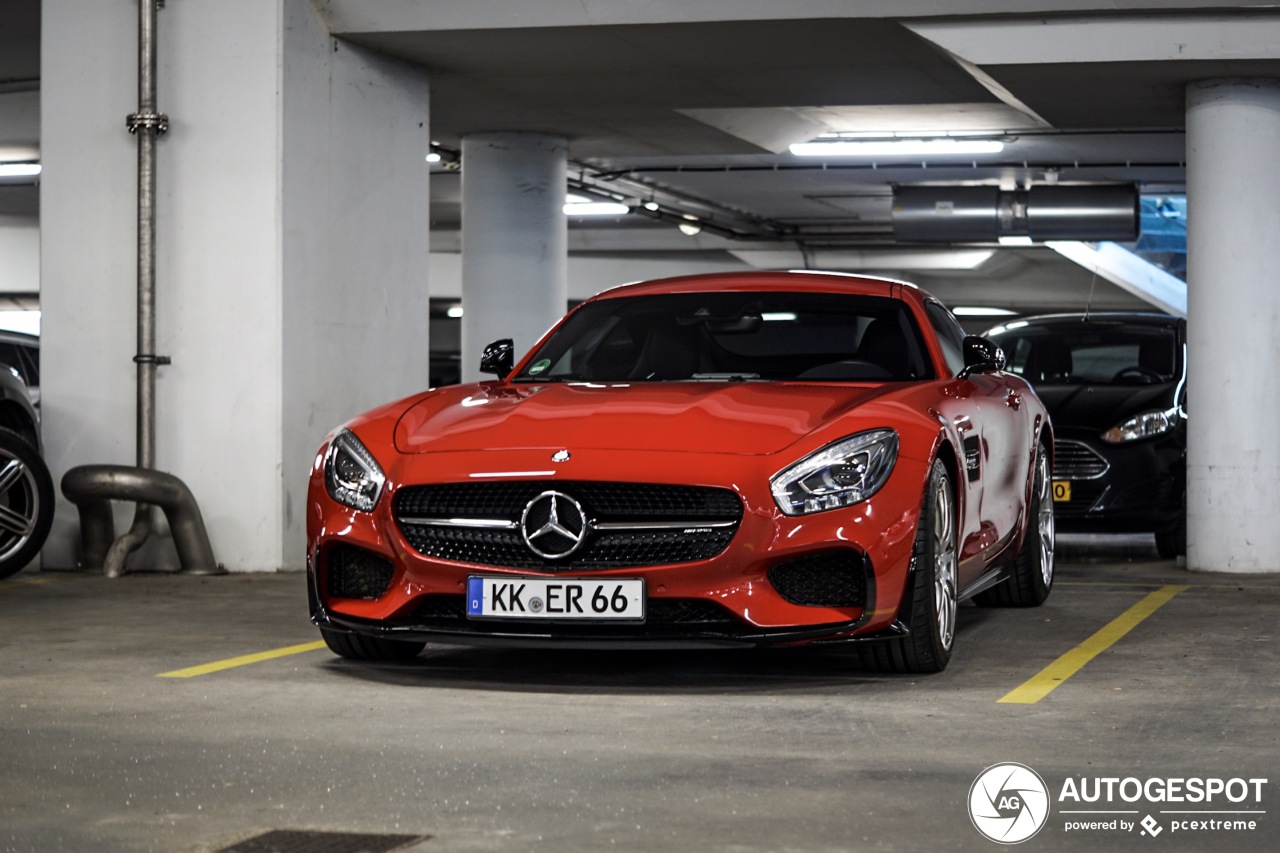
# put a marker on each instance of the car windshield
(732, 337)
(1097, 352)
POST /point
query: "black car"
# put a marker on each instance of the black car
(1115, 387)
(26, 489)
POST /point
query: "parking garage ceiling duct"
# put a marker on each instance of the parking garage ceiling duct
(965, 214)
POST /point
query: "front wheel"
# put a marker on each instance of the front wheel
(26, 502)
(1032, 577)
(932, 603)
(360, 647)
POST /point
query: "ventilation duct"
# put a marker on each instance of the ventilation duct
(985, 214)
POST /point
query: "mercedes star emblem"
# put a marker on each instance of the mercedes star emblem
(553, 525)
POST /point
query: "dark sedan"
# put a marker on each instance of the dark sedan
(1115, 388)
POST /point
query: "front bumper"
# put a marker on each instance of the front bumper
(1141, 490)
(725, 600)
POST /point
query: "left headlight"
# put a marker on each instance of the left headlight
(843, 473)
(351, 474)
(1145, 425)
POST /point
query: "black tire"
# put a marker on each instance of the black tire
(26, 502)
(1031, 577)
(930, 609)
(360, 647)
(1172, 541)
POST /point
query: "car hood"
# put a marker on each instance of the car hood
(1100, 407)
(695, 417)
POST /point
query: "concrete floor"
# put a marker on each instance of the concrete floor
(487, 750)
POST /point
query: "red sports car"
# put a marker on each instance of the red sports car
(745, 458)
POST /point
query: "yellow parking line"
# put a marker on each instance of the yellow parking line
(28, 582)
(1044, 682)
(243, 660)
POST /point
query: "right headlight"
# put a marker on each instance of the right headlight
(351, 474)
(1145, 425)
(843, 473)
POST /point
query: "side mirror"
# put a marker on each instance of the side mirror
(499, 357)
(981, 355)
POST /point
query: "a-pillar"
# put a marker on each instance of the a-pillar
(514, 240)
(1233, 253)
(291, 255)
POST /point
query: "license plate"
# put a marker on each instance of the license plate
(1061, 491)
(556, 598)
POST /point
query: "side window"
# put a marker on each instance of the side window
(950, 335)
(10, 356)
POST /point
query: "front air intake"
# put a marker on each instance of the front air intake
(830, 579)
(357, 573)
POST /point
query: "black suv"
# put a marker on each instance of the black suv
(1116, 390)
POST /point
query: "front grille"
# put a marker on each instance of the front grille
(507, 499)
(1074, 460)
(663, 617)
(357, 573)
(829, 579)
(629, 525)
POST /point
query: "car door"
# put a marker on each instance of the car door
(987, 412)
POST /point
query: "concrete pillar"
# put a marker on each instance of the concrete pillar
(291, 255)
(1233, 199)
(514, 240)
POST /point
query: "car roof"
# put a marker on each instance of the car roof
(757, 280)
(19, 337)
(1152, 318)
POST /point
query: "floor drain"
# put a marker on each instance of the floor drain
(307, 841)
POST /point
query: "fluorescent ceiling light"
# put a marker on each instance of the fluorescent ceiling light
(981, 311)
(577, 205)
(778, 316)
(19, 170)
(453, 311)
(896, 147)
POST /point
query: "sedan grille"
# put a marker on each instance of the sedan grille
(596, 525)
(1074, 460)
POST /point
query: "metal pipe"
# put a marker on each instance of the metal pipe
(92, 488)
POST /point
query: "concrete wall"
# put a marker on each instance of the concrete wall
(88, 230)
(355, 241)
(253, 261)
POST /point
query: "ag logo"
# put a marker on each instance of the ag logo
(1008, 803)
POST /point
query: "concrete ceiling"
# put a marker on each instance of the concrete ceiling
(663, 100)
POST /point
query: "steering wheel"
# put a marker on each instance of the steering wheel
(1141, 372)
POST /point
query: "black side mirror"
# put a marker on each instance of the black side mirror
(499, 357)
(981, 355)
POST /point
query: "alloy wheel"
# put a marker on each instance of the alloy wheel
(1044, 521)
(19, 504)
(944, 563)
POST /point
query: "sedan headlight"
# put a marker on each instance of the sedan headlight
(840, 474)
(1145, 425)
(351, 474)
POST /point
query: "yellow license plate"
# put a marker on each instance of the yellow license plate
(1061, 491)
